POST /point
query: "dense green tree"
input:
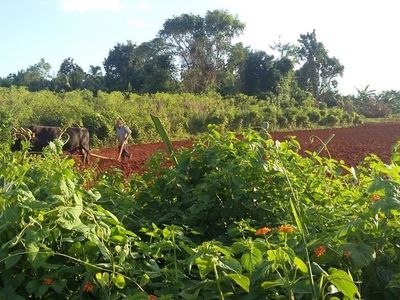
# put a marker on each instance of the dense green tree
(35, 77)
(10, 80)
(229, 83)
(157, 72)
(391, 98)
(286, 50)
(369, 104)
(319, 71)
(144, 68)
(94, 79)
(119, 66)
(261, 74)
(70, 76)
(203, 46)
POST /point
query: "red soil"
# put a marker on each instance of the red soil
(349, 144)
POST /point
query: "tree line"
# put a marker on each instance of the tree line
(196, 54)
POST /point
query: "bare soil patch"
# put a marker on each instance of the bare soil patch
(351, 145)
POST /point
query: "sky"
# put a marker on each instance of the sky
(362, 34)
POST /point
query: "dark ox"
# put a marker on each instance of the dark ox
(77, 139)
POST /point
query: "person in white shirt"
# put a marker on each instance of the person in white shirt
(123, 132)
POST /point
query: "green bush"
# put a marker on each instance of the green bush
(182, 114)
(330, 120)
(290, 114)
(282, 121)
(302, 120)
(244, 218)
(314, 116)
(97, 125)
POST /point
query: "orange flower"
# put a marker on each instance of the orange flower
(152, 297)
(87, 287)
(286, 228)
(320, 250)
(48, 281)
(346, 253)
(263, 231)
(375, 197)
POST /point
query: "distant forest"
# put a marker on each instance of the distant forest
(196, 54)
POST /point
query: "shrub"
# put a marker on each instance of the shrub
(302, 120)
(330, 120)
(290, 115)
(282, 121)
(97, 125)
(373, 108)
(314, 116)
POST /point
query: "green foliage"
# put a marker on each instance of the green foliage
(202, 47)
(217, 225)
(181, 114)
(6, 122)
(317, 74)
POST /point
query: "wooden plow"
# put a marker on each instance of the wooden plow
(102, 157)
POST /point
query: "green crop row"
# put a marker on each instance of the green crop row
(233, 218)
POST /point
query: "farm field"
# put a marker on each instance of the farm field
(226, 218)
(351, 145)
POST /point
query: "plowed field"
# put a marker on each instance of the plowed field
(349, 144)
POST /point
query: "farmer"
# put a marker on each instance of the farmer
(123, 132)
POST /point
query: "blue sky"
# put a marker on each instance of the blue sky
(363, 35)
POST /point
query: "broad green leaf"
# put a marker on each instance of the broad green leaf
(37, 256)
(99, 278)
(242, 280)
(300, 265)
(42, 290)
(164, 136)
(302, 287)
(59, 285)
(166, 233)
(238, 247)
(68, 217)
(67, 187)
(231, 264)
(32, 286)
(75, 249)
(205, 266)
(118, 280)
(251, 259)
(224, 250)
(278, 256)
(145, 280)
(270, 284)
(12, 214)
(12, 260)
(105, 277)
(260, 270)
(118, 238)
(343, 282)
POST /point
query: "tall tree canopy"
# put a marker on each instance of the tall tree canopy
(70, 76)
(35, 77)
(202, 45)
(119, 67)
(94, 79)
(261, 74)
(319, 72)
(146, 68)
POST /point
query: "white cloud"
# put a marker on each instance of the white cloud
(136, 22)
(83, 6)
(143, 6)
